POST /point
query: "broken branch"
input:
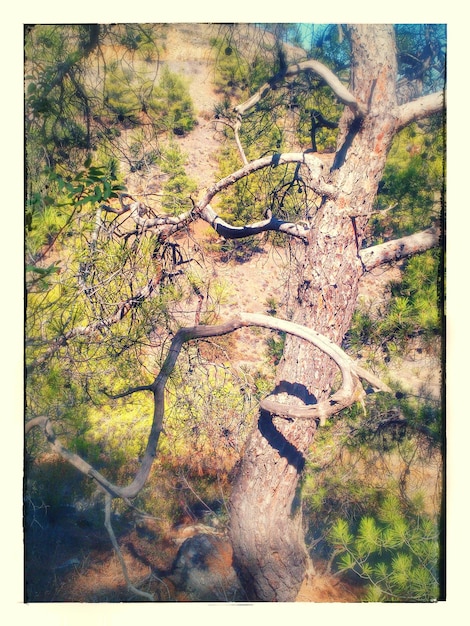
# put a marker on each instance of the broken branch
(399, 248)
(419, 108)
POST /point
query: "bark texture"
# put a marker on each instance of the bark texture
(266, 529)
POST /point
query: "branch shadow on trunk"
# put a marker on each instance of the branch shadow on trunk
(277, 441)
(274, 437)
(297, 390)
(340, 155)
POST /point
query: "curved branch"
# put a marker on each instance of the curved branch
(240, 232)
(399, 248)
(341, 92)
(350, 392)
(314, 163)
(170, 224)
(420, 108)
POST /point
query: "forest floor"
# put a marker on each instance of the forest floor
(70, 559)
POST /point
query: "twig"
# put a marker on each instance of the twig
(112, 536)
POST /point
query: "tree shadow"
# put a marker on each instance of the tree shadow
(340, 156)
(274, 437)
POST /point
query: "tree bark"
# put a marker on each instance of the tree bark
(266, 529)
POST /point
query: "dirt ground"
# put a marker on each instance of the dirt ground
(70, 559)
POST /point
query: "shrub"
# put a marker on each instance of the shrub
(172, 103)
(398, 556)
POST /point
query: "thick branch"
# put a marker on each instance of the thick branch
(341, 92)
(419, 108)
(399, 248)
(239, 232)
(350, 391)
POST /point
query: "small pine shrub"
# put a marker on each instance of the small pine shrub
(172, 103)
(397, 555)
(413, 310)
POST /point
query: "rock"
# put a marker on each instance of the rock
(203, 570)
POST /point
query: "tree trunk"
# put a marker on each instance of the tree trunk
(266, 529)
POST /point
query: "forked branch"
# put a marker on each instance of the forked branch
(350, 392)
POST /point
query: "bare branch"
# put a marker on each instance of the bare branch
(112, 536)
(138, 210)
(420, 108)
(72, 458)
(126, 393)
(399, 248)
(350, 392)
(239, 232)
(236, 130)
(235, 126)
(341, 92)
